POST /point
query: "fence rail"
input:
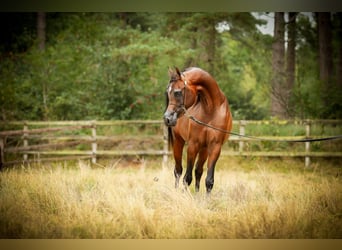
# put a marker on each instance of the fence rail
(62, 146)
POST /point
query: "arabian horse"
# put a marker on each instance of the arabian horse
(194, 93)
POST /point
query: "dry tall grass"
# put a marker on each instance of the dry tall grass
(81, 202)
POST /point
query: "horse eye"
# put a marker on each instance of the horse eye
(177, 93)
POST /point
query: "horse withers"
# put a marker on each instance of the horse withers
(195, 93)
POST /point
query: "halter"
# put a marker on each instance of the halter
(182, 106)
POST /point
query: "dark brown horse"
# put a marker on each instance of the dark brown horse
(195, 93)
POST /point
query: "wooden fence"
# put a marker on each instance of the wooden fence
(35, 141)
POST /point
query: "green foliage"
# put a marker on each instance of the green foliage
(245, 76)
(309, 92)
(114, 65)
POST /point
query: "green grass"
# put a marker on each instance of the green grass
(251, 199)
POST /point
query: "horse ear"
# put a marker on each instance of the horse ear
(181, 75)
(170, 71)
(178, 72)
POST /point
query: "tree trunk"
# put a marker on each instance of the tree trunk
(339, 53)
(325, 54)
(41, 24)
(41, 37)
(278, 98)
(211, 49)
(290, 61)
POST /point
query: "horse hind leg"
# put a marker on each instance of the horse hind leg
(202, 157)
(213, 157)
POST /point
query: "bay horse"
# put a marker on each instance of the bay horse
(195, 93)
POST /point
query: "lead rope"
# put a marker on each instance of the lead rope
(259, 138)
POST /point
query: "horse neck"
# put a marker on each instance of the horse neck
(209, 93)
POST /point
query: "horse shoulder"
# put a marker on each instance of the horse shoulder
(182, 128)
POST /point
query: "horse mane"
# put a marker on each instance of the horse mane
(170, 136)
(174, 77)
(202, 81)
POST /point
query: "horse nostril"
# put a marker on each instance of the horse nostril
(166, 120)
(170, 118)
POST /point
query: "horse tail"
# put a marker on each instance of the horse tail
(170, 136)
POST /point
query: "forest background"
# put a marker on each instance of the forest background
(107, 66)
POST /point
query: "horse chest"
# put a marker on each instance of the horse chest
(193, 133)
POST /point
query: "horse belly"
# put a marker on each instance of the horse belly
(222, 120)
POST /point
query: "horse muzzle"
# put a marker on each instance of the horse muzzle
(170, 118)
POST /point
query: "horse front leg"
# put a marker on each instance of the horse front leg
(214, 154)
(177, 154)
(191, 157)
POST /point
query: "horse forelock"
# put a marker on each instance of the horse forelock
(174, 77)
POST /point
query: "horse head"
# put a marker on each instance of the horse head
(179, 97)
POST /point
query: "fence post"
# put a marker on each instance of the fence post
(307, 144)
(242, 125)
(165, 146)
(93, 143)
(25, 137)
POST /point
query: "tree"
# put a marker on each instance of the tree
(278, 96)
(290, 62)
(41, 38)
(41, 25)
(325, 54)
(114, 65)
(198, 31)
(339, 51)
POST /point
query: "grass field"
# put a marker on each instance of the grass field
(251, 198)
